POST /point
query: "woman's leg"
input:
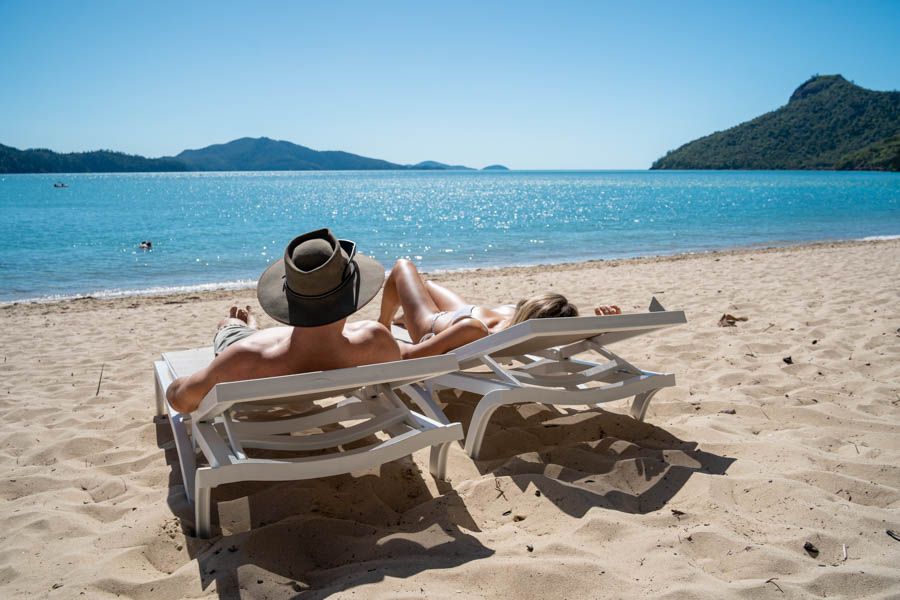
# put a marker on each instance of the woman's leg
(443, 298)
(400, 319)
(404, 288)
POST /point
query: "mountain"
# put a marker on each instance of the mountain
(828, 123)
(41, 160)
(244, 154)
(264, 154)
(433, 165)
(495, 168)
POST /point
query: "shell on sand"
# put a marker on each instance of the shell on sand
(696, 502)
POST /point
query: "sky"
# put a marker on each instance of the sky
(532, 85)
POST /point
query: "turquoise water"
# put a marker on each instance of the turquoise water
(223, 228)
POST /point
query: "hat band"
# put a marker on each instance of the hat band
(348, 246)
(347, 279)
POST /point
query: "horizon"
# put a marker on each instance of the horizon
(525, 86)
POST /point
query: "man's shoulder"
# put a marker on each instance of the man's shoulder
(368, 330)
(373, 339)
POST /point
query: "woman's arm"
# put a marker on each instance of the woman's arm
(458, 334)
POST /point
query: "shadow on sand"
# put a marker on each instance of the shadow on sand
(314, 538)
(318, 537)
(581, 459)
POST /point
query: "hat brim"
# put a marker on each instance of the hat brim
(306, 311)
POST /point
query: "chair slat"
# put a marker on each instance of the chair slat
(349, 411)
(317, 441)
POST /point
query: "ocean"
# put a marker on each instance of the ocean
(213, 230)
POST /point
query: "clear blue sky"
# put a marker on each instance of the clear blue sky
(595, 85)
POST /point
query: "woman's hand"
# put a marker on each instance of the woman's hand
(612, 309)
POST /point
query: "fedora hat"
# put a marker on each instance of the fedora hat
(320, 280)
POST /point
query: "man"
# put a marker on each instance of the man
(318, 284)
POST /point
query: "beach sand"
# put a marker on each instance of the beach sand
(714, 496)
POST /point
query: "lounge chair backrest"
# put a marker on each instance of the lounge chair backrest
(187, 362)
(538, 334)
(311, 386)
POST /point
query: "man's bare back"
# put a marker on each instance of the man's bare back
(285, 351)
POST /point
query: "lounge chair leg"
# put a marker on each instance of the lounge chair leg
(641, 403)
(185, 446)
(160, 396)
(486, 407)
(424, 399)
(438, 461)
(202, 499)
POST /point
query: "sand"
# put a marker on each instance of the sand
(714, 496)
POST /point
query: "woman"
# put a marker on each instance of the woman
(438, 320)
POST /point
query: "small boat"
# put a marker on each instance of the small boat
(60, 184)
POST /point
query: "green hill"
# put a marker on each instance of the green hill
(433, 165)
(41, 160)
(828, 123)
(244, 154)
(264, 154)
(880, 156)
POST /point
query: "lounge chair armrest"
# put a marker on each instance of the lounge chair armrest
(338, 381)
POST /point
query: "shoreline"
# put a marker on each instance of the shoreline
(215, 288)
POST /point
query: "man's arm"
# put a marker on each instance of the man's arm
(186, 393)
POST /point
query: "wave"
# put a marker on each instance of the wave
(240, 284)
(879, 238)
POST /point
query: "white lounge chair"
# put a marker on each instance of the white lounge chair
(219, 429)
(533, 362)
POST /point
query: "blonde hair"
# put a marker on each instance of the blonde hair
(543, 306)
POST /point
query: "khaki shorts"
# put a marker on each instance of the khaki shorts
(230, 334)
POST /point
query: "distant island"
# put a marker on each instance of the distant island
(41, 160)
(264, 154)
(432, 165)
(244, 154)
(495, 168)
(828, 123)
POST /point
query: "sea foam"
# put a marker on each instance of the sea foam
(243, 284)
